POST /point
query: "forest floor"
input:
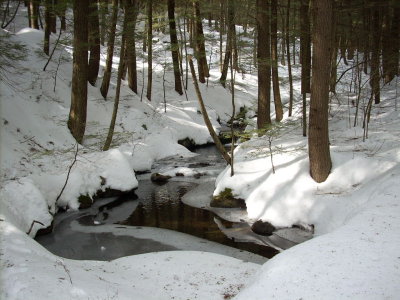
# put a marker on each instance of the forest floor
(355, 213)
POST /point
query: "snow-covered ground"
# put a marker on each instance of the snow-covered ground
(356, 212)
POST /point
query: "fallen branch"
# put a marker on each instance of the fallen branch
(69, 171)
(210, 128)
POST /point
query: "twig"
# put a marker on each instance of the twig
(12, 18)
(33, 222)
(66, 270)
(69, 171)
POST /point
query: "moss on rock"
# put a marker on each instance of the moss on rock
(225, 199)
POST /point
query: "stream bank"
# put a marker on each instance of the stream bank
(155, 218)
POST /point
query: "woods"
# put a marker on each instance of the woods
(276, 23)
(176, 149)
(365, 35)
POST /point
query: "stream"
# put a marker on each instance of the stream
(155, 219)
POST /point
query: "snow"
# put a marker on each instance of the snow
(163, 275)
(355, 213)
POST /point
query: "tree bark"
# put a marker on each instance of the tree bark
(34, 10)
(131, 12)
(94, 42)
(229, 42)
(318, 140)
(47, 26)
(110, 51)
(150, 48)
(287, 37)
(77, 114)
(305, 47)
(274, 57)
(264, 65)
(375, 54)
(174, 46)
(103, 11)
(110, 134)
(200, 46)
(210, 128)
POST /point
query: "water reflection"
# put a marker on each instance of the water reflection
(161, 207)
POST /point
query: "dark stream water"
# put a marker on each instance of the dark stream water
(156, 206)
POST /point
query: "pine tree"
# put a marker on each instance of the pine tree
(77, 114)
(94, 42)
(318, 139)
(174, 46)
(264, 65)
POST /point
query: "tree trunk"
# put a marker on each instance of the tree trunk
(174, 46)
(274, 57)
(53, 17)
(150, 48)
(264, 65)
(305, 58)
(375, 54)
(200, 46)
(229, 42)
(110, 134)
(94, 42)
(305, 47)
(34, 10)
(77, 114)
(131, 12)
(103, 11)
(318, 140)
(110, 51)
(203, 109)
(287, 36)
(47, 25)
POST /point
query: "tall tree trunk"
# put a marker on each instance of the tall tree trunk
(103, 12)
(110, 134)
(334, 52)
(77, 114)
(390, 43)
(47, 25)
(305, 47)
(110, 50)
(94, 42)
(264, 65)
(53, 16)
(274, 57)
(375, 55)
(34, 10)
(174, 46)
(63, 9)
(229, 40)
(150, 48)
(221, 33)
(287, 36)
(318, 140)
(305, 58)
(200, 46)
(131, 12)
